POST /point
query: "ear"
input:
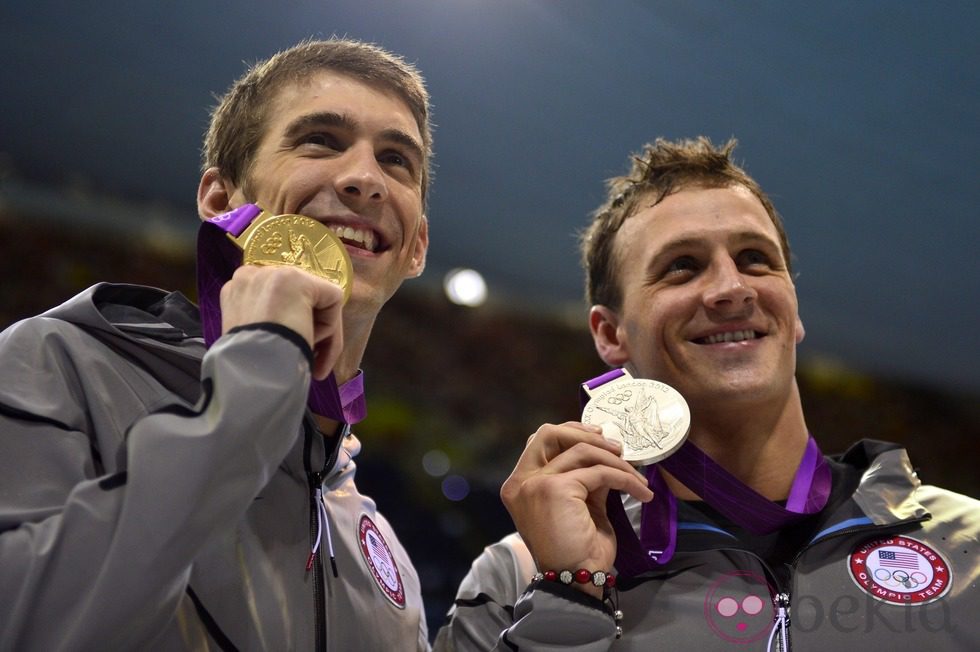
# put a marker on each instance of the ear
(610, 341)
(214, 194)
(417, 264)
(800, 331)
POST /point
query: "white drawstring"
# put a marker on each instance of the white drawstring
(322, 524)
(781, 625)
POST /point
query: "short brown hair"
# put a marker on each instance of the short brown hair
(661, 168)
(238, 121)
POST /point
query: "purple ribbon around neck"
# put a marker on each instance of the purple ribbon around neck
(718, 488)
(217, 260)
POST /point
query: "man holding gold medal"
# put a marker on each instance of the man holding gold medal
(690, 508)
(176, 479)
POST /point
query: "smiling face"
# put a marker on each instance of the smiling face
(708, 306)
(349, 155)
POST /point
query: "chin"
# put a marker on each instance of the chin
(749, 387)
(367, 298)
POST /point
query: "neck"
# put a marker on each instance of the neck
(759, 446)
(357, 331)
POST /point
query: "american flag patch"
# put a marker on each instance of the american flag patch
(898, 559)
(378, 557)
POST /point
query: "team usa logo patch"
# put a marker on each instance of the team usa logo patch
(379, 559)
(900, 570)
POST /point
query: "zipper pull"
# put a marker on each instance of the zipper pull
(780, 625)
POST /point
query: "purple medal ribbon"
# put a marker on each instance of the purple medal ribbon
(718, 488)
(217, 260)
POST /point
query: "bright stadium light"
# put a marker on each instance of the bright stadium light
(465, 287)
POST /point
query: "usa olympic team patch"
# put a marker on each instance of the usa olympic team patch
(379, 559)
(900, 570)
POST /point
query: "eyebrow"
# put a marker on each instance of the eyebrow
(346, 122)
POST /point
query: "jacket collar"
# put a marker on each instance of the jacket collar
(886, 494)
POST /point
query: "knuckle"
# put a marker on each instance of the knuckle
(509, 490)
(582, 447)
(547, 430)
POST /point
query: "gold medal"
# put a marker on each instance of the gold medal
(298, 241)
(649, 418)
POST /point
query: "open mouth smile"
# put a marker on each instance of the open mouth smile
(357, 238)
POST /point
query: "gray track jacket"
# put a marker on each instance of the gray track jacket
(157, 496)
(894, 567)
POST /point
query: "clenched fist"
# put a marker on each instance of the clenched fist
(286, 295)
(557, 497)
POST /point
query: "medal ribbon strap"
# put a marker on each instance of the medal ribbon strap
(658, 527)
(598, 381)
(742, 504)
(718, 488)
(217, 260)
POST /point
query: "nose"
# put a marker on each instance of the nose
(360, 180)
(726, 288)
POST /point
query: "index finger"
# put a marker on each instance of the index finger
(549, 441)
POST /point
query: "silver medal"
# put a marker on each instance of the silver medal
(649, 418)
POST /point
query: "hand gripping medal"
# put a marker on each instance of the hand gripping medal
(652, 421)
(299, 241)
(263, 239)
(649, 418)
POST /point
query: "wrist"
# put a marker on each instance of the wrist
(597, 588)
(598, 583)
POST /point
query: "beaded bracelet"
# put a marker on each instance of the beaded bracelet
(607, 581)
(582, 576)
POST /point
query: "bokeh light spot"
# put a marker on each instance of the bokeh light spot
(455, 487)
(465, 287)
(435, 463)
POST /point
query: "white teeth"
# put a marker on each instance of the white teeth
(365, 237)
(735, 336)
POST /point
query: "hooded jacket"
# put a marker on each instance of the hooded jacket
(155, 495)
(889, 563)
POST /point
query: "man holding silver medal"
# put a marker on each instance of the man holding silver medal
(174, 478)
(690, 508)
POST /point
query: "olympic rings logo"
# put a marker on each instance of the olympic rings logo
(898, 577)
(620, 398)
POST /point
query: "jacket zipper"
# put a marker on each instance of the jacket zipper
(315, 481)
(319, 601)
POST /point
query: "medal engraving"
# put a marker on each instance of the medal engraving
(298, 241)
(651, 419)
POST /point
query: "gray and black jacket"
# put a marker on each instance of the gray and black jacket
(889, 563)
(155, 495)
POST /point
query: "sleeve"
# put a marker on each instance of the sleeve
(91, 561)
(496, 609)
